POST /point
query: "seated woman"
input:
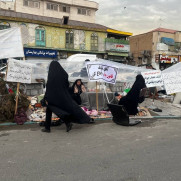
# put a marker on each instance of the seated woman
(131, 100)
(77, 89)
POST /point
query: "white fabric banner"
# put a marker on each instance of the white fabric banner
(19, 71)
(172, 82)
(153, 78)
(11, 43)
(97, 71)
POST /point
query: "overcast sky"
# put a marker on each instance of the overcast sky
(139, 16)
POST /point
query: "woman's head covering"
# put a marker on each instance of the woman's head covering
(137, 86)
(75, 83)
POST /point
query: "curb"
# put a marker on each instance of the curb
(102, 119)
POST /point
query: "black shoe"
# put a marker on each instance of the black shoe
(68, 126)
(91, 121)
(45, 130)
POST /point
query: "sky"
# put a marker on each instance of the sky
(139, 16)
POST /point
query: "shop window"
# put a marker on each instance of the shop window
(40, 36)
(94, 42)
(4, 25)
(69, 39)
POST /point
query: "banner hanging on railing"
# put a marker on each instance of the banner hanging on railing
(101, 72)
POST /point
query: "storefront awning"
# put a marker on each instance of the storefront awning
(118, 54)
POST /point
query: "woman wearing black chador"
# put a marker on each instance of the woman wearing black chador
(59, 101)
(131, 100)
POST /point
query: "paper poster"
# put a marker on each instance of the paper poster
(98, 71)
(11, 43)
(19, 71)
(172, 82)
(153, 78)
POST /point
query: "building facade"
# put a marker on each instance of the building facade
(69, 9)
(160, 47)
(50, 33)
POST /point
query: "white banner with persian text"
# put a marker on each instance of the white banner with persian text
(11, 43)
(98, 71)
(153, 78)
(19, 71)
(172, 82)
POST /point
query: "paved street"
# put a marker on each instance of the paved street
(100, 152)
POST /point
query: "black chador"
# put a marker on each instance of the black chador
(60, 101)
(131, 100)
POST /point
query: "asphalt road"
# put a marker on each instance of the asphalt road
(100, 152)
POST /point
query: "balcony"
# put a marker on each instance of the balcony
(118, 41)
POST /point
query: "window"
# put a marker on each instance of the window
(65, 9)
(94, 42)
(84, 12)
(69, 39)
(4, 25)
(32, 4)
(89, 12)
(79, 11)
(53, 7)
(65, 20)
(40, 36)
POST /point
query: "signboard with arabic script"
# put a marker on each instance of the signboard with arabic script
(19, 71)
(172, 82)
(98, 71)
(32, 52)
(117, 47)
(153, 78)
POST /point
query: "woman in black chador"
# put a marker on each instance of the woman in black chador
(59, 101)
(77, 89)
(131, 100)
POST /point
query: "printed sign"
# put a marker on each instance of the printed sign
(117, 47)
(153, 78)
(172, 82)
(11, 43)
(19, 71)
(98, 71)
(168, 58)
(40, 53)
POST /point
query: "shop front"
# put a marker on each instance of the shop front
(117, 51)
(40, 54)
(168, 60)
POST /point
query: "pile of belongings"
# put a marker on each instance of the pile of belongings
(8, 103)
(95, 114)
(38, 113)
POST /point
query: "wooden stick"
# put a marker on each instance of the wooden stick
(97, 101)
(17, 95)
